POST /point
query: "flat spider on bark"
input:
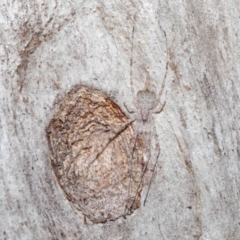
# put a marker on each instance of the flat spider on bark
(147, 102)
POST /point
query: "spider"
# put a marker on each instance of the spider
(146, 104)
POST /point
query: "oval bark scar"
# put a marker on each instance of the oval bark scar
(90, 160)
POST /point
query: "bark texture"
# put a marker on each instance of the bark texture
(47, 47)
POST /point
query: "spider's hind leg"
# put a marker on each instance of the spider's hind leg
(155, 158)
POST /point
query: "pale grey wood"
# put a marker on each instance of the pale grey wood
(48, 47)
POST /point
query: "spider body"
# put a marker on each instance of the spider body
(145, 105)
(146, 101)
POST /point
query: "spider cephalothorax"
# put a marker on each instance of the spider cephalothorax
(146, 101)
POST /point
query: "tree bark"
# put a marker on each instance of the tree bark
(49, 47)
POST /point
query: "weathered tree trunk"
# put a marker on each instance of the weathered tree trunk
(48, 47)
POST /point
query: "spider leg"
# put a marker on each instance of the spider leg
(131, 63)
(129, 108)
(122, 127)
(163, 84)
(156, 157)
(166, 70)
(132, 147)
(147, 144)
(131, 80)
(159, 108)
(112, 135)
(102, 129)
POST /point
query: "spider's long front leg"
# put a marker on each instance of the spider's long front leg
(166, 71)
(131, 63)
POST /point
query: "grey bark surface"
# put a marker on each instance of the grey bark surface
(47, 47)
